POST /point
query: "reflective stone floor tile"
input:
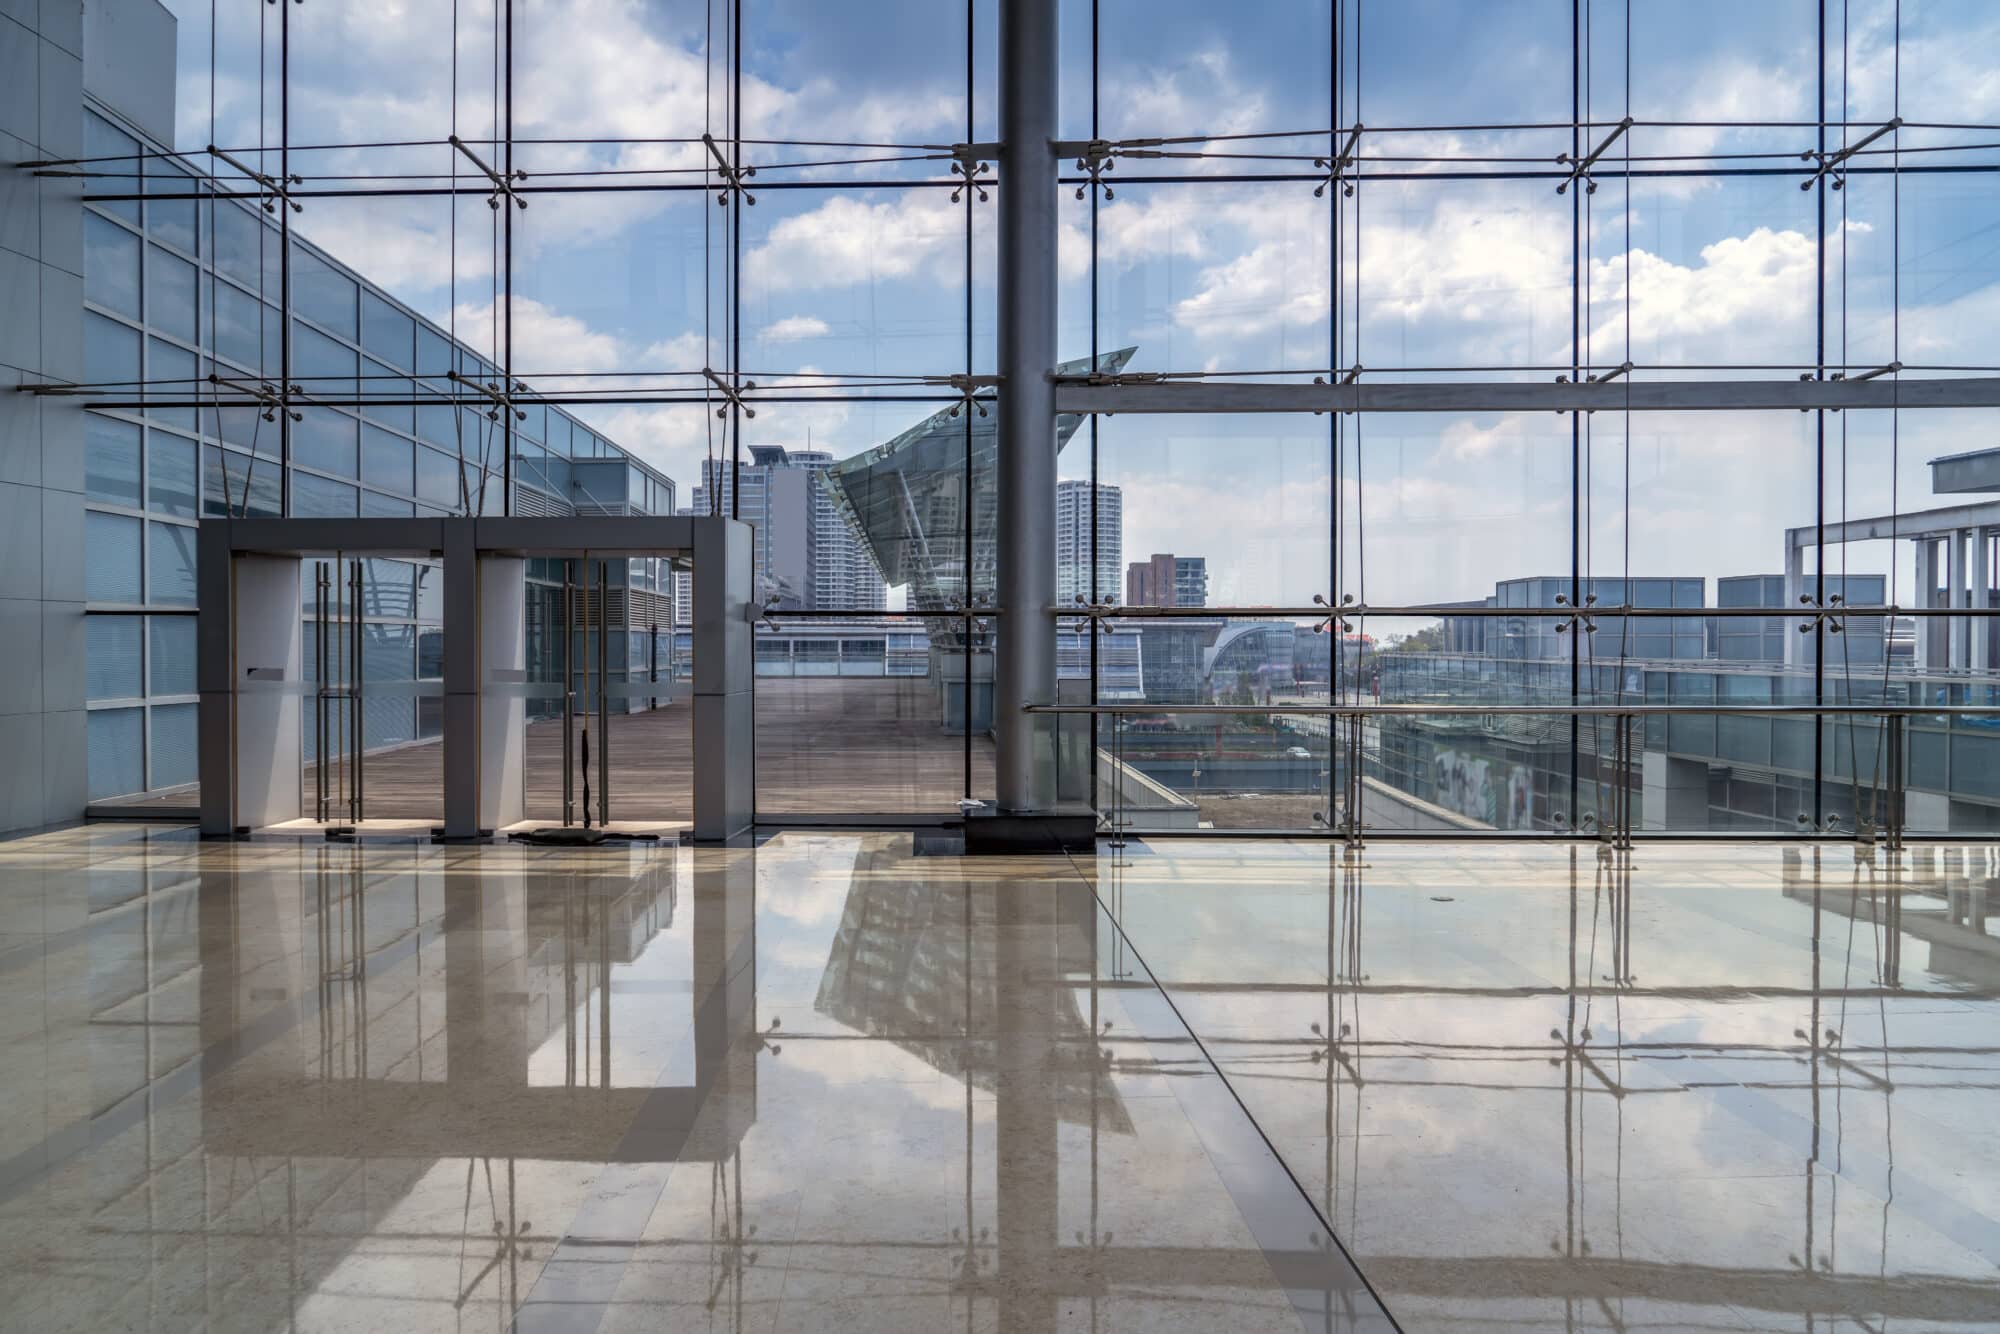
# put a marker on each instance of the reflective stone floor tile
(823, 1083)
(1548, 1094)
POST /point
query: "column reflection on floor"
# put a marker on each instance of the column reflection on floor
(823, 1083)
(1695, 1087)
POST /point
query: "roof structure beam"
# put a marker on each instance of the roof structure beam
(1077, 394)
(1910, 526)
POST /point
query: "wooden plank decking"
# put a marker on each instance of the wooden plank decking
(825, 746)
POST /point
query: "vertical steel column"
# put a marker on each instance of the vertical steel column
(568, 693)
(356, 802)
(603, 693)
(583, 637)
(1958, 596)
(1892, 819)
(1024, 537)
(284, 213)
(1819, 444)
(507, 281)
(322, 590)
(1981, 581)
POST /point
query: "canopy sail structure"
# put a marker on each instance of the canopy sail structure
(906, 497)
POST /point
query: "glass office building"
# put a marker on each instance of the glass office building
(180, 305)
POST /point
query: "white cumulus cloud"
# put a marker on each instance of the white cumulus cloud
(794, 327)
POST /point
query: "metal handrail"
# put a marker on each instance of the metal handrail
(1613, 822)
(1547, 612)
(1537, 710)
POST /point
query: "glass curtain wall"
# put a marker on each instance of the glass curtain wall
(753, 245)
(1537, 191)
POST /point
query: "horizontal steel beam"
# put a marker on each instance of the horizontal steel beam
(1911, 526)
(1496, 396)
(553, 535)
(1634, 710)
(1434, 610)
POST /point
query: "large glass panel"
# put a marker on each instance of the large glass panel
(110, 460)
(845, 729)
(117, 171)
(111, 573)
(170, 294)
(234, 484)
(326, 368)
(170, 564)
(173, 751)
(386, 460)
(1223, 771)
(171, 376)
(1246, 496)
(172, 220)
(110, 353)
(437, 477)
(112, 658)
(1205, 277)
(374, 506)
(323, 294)
(116, 742)
(387, 333)
(241, 239)
(170, 474)
(867, 282)
(804, 54)
(379, 381)
(239, 327)
(317, 497)
(171, 646)
(110, 266)
(325, 439)
(1453, 508)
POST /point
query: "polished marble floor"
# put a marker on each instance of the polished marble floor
(836, 1082)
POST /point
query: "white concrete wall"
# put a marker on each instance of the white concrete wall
(270, 656)
(503, 709)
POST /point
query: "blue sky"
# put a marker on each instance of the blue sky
(847, 277)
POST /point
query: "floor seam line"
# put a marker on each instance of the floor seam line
(1202, 1047)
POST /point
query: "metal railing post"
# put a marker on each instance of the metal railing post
(603, 702)
(568, 693)
(355, 801)
(1892, 815)
(1354, 787)
(322, 590)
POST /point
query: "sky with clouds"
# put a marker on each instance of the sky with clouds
(855, 268)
